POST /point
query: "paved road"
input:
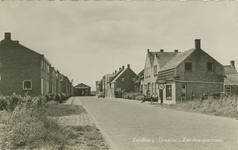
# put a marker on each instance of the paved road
(132, 125)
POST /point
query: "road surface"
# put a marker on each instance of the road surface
(132, 125)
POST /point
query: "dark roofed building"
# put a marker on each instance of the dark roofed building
(231, 80)
(190, 74)
(82, 90)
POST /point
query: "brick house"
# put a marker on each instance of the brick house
(123, 80)
(23, 70)
(231, 80)
(82, 90)
(189, 74)
(153, 63)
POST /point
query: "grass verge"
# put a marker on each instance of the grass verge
(225, 106)
(29, 126)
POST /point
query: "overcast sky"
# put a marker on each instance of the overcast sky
(87, 39)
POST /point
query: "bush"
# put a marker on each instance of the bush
(223, 106)
(139, 97)
(27, 126)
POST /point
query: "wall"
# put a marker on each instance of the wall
(128, 85)
(19, 63)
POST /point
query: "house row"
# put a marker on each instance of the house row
(23, 70)
(176, 76)
(120, 80)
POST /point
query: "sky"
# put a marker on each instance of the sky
(85, 40)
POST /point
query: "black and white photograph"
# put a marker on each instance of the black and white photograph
(118, 75)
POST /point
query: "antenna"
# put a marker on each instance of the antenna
(113, 63)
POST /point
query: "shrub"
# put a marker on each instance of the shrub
(27, 126)
(139, 97)
(223, 106)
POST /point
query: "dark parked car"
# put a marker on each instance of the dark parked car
(101, 94)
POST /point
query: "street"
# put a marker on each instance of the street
(132, 125)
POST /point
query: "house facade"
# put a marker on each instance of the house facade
(23, 70)
(82, 90)
(123, 80)
(188, 75)
(153, 63)
(138, 87)
(231, 80)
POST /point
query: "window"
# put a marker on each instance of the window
(48, 69)
(155, 70)
(188, 66)
(210, 66)
(122, 79)
(27, 85)
(42, 64)
(168, 92)
(133, 79)
(228, 89)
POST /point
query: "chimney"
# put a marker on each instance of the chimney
(119, 68)
(7, 36)
(176, 51)
(123, 67)
(148, 50)
(197, 44)
(128, 65)
(115, 71)
(233, 63)
(161, 50)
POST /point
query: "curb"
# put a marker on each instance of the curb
(110, 143)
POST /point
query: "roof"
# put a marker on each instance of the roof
(230, 70)
(140, 73)
(118, 75)
(81, 86)
(231, 79)
(122, 70)
(175, 61)
(231, 75)
(22, 46)
(162, 57)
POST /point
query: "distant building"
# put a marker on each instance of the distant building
(23, 70)
(190, 74)
(82, 90)
(138, 87)
(231, 80)
(123, 80)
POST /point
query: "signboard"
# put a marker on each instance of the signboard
(161, 81)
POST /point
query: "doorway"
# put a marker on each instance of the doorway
(161, 95)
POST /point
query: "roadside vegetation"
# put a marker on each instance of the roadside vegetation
(25, 123)
(224, 106)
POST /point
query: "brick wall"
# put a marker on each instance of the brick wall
(199, 71)
(128, 85)
(18, 63)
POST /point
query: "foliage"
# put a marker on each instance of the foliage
(223, 106)
(26, 126)
(133, 96)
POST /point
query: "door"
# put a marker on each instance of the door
(161, 95)
(184, 92)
